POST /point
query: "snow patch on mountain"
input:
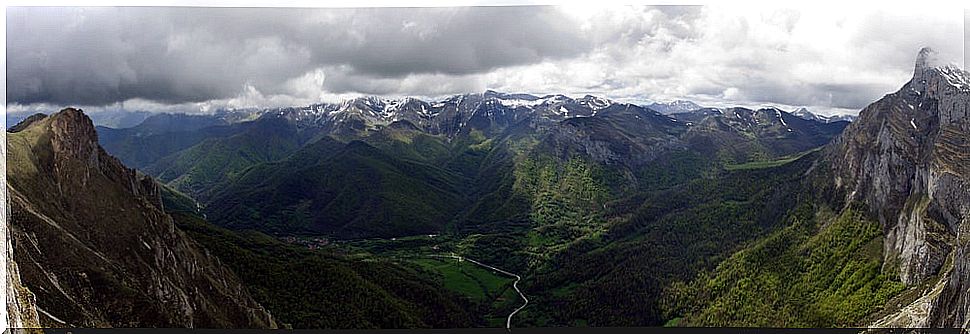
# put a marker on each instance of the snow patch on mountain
(805, 114)
(674, 107)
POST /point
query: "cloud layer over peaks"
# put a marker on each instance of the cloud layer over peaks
(198, 58)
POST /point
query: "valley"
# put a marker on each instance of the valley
(514, 210)
(516, 185)
(493, 167)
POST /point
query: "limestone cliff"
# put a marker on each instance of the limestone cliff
(907, 158)
(93, 246)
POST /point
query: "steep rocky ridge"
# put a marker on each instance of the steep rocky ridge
(94, 247)
(907, 158)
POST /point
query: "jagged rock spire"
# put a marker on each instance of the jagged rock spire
(926, 58)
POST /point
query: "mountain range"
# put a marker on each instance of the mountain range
(97, 244)
(804, 113)
(611, 214)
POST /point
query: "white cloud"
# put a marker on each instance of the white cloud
(832, 61)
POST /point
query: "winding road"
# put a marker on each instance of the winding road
(515, 285)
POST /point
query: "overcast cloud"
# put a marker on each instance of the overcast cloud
(196, 59)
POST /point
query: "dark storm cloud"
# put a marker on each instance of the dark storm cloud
(97, 56)
(205, 58)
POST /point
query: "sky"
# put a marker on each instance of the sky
(197, 59)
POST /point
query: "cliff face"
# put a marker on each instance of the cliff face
(907, 158)
(93, 246)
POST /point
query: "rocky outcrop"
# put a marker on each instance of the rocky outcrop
(620, 134)
(93, 246)
(27, 122)
(907, 158)
(20, 311)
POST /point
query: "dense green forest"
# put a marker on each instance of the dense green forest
(321, 288)
(625, 208)
(822, 269)
(684, 215)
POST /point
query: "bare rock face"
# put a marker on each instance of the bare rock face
(94, 247)
(907, 158)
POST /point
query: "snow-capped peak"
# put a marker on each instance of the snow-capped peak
(594, 103)
(803, 113)
(525, 100)
(502, 108)
(929, 61)
(674, 107)
(955, 76)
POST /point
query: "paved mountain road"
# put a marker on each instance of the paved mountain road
(515, 285)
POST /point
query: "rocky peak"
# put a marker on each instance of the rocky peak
(907, 158)
(594, 102)
(76, 155)
(674, 107)
(507, 96)
(492, 93)
(93, 244)
(73, 136)
(934, 77)
(926, 59)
